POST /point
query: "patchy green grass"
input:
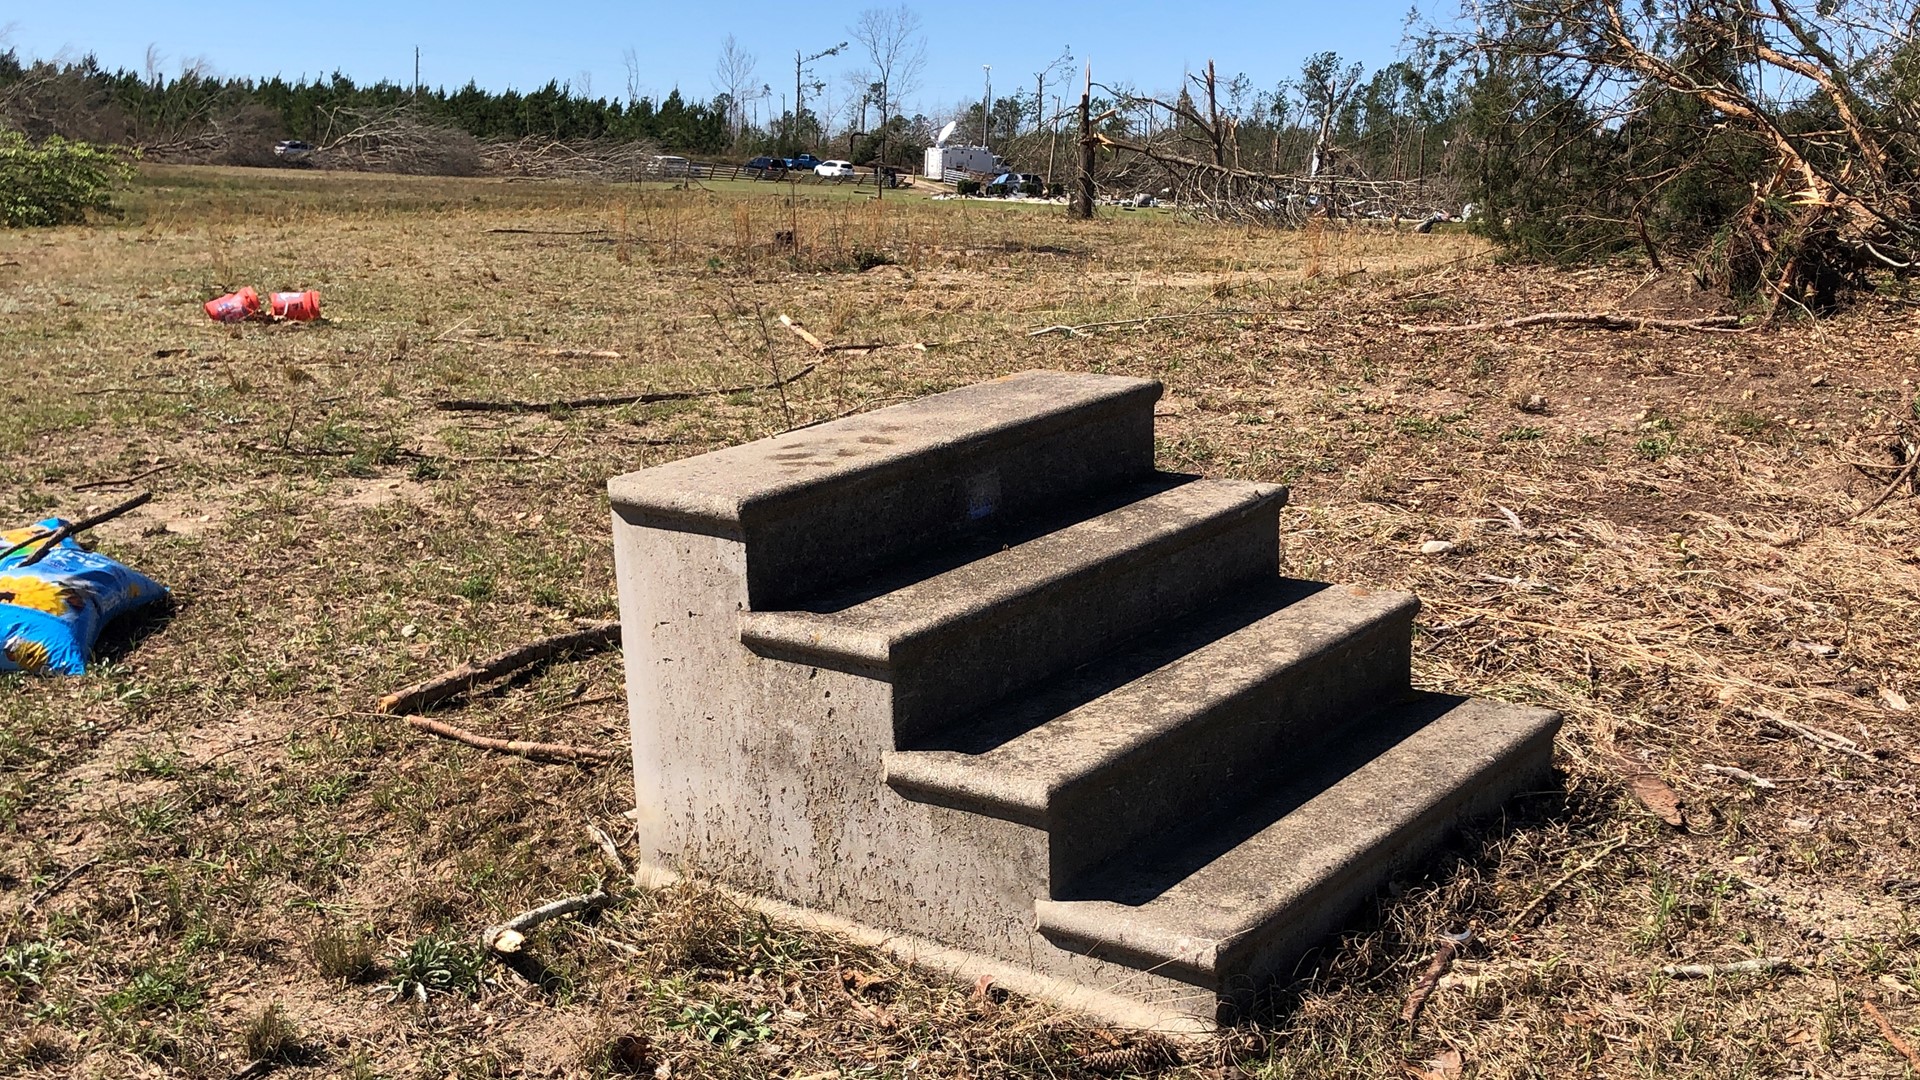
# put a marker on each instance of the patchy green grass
(213, 853)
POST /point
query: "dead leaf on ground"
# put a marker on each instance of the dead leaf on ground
(1895, 699)
(863, 983)
(1653, 793)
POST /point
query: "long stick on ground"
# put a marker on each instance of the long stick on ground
(464, 405)
(537, 751)
(1892, 1036)
(73, 527)
(1076, 331)
(465, 677)
(509, 936)
(1599, 320)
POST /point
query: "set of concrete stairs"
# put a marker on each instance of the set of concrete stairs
(969, 673)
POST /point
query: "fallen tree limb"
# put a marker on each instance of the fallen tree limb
(537, 751)
(465, 677)
(72, 528)
(509, 936)
(1599, 320)
(461, 405)
(1758, 966)
(1821, 737)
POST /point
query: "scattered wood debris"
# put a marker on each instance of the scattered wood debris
(1526, 913)
(1599, 320)
(460, 680)
(464, 405)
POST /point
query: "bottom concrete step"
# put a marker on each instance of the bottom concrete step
(1230, 907)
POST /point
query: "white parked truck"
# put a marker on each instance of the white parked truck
(942, 160)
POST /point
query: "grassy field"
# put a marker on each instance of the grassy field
(212, 853)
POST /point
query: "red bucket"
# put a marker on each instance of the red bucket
(298, 306)
(234, 307)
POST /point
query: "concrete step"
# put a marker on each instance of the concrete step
(1164, 732)
(829, 504)
(1230, 906)
(952, 642)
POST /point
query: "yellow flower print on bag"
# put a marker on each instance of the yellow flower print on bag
(51, 612)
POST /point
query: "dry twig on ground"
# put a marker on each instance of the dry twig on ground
(464, 678)
(462, 405)
(1429, 981)
(536, 751)
(1886, 1029)
(509, 936)
(73, 528)
(1757, 966)
(1599, 320)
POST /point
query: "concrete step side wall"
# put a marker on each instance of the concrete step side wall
(826, 505)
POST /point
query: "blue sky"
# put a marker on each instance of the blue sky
(522, 45)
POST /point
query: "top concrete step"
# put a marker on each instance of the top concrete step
(1229, 906)
(827, 504)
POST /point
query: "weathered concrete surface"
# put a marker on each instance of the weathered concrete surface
(827, 504)
(859, 685)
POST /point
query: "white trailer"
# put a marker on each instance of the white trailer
(944, 160)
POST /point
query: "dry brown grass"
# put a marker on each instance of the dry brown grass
(1684, 582)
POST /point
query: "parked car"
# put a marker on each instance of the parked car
(804, 161)
(1016, 184)
(834, 170)
(764, 166)
(293, 150)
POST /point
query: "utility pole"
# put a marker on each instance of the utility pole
(986, 110)
(416, 71)
(1083, 196)
(799, 77)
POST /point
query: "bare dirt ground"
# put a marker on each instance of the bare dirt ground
(1701, 547)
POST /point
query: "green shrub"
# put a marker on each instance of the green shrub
(57, 182)
(966, 187)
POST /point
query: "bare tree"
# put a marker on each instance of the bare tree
(631, 60)
(733, 75)
(897, 49)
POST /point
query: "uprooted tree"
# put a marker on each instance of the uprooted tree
(1777, 142)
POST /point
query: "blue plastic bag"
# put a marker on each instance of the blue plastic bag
(51, 612)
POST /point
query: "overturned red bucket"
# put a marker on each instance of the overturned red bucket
(234, 307)
(298, 306)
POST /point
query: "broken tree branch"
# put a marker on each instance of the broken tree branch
(510, 936)
(73, 528)
(801, 332)
(124, 481)
(1599, 320)
(536, 751)
(460, 405)
(464, 678)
